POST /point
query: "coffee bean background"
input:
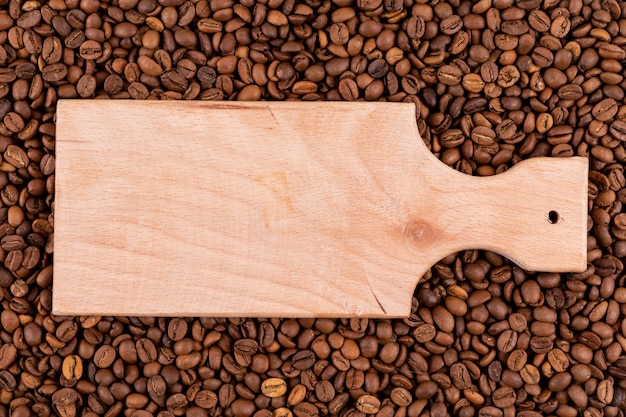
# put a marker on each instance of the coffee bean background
(494, 82)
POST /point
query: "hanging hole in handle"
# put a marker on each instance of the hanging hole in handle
(553, 217)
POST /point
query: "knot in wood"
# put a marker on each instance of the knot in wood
(419, 233)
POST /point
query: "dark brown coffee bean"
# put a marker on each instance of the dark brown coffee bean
(449, 75)
(86, 86)
(324, 391)
(250, 93)
(208, 25)
(13, 242)
(540, 344)
(54, 72)
(581, 353)
(31, 257)
(588, 59)
(46, 165)
(29, 19)
(542, 57)
(113, 84)
(146, 351)
(303, 359)
(617, 129)
(7, 381)
(517, 360)
(378, 68)
(52, 50)
(460, 376)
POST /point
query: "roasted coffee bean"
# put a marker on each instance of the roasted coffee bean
(86, 86)
(52, 50)
(13, 242)
(450, 139)
(492, 83)
(303, 359)
(401, 397)
(176, 329)
(348, 89)
(378, 68)
(274, 387)
(559, 381)
(450, 75)
(8, 354)
(14, 154)
(507, 341)
(113, 84)
(504, 397)
(460, 376)
(539, 20)
(205, 398)
(146, 351)
(530, 374)
(368, 404)
(7, 381)
(90, 49)
(54, 72)
(72, 368)
(104, 356)
(605, 110)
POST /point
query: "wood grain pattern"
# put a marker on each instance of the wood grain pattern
(283, 209)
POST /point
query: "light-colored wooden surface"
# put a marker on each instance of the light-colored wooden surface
(282, 209)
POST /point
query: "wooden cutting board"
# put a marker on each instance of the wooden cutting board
(283, 209)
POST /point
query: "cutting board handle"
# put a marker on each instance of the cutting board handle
(533, 214)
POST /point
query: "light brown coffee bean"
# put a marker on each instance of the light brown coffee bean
(530, 374)
(90, 49)
(297, 395)
(72, 368)
(403, 398)
(368, 404)
(15, 155)
(274, 387)
(605, 110)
